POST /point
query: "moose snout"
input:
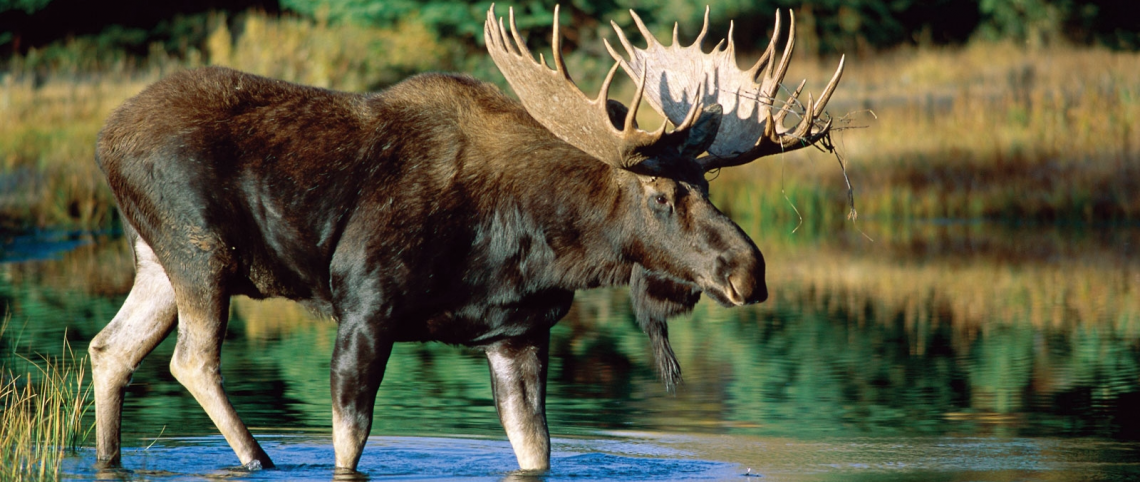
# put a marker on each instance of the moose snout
(742, 279)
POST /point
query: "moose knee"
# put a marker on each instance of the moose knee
(108, 365)
(194, 368)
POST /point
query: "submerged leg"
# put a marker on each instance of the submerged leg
(518, 382)
(358, 361)
(203, 312)
(145, 319)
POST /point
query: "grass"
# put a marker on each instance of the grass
(984, 131)
(43, 402)
(987, 131)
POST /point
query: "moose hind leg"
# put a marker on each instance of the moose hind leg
(518, 382)
(203, 312)
(145, 319)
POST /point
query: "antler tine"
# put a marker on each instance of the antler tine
(520, 45)
(556, 46)
(830, 88)
(731, 48)
(788, 47)
(768, 52)
(822, 130)
(778, 75)
(788, 104)
(803, 128)
(698, 104)
(769, 126)
(704, 29)
(631, 114)
(604, 92)
(644, 31)
(551, 97)
(511, 45)
(624, 43)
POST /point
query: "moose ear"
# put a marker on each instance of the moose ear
(616, 112)
(703, 131)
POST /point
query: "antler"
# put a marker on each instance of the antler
(555, 101)
(678, 74)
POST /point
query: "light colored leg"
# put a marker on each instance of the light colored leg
(518, 381)
(145, 319)
(203, 313)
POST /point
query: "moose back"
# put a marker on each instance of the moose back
(436, 210)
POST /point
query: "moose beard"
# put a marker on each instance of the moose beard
(655, 299)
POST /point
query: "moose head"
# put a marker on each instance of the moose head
(723, 116)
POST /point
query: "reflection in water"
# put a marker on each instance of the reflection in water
(622, 457)
(954, 341)
(401, 458)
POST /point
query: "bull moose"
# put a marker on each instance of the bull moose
(439, 209)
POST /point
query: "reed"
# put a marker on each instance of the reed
(44, 401)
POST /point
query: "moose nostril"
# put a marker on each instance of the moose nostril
(741, 282)
(744, 287)
(760, 295)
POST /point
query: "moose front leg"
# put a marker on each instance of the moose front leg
(146, 318)
(359, 358)
(196, 364)
(518, 382)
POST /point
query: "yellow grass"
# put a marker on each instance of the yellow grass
(984, 131)
(42, 415)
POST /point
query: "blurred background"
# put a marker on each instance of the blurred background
(987, 288)
(1013, 110)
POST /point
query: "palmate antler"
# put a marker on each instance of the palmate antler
(678, 75)
(552, 98)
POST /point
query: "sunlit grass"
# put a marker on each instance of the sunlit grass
(987, 131)
(43, 400)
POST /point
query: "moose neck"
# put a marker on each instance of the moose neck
(548, 211)
(564, 213)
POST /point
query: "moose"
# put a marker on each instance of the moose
(439, 209)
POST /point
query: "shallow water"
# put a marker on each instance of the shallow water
(651, 457)
(944, 351)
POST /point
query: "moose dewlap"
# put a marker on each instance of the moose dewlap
(437, 210)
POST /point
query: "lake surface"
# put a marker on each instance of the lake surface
(938, 351)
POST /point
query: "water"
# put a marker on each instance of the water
(942, 351)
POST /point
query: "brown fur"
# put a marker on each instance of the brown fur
(435, 210)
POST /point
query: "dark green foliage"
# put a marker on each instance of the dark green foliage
(1109, 22)
(26, 6)
(826, 26)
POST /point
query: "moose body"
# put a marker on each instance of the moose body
(436, 210)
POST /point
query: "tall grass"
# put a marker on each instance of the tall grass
(43, 401)
(987, 131)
